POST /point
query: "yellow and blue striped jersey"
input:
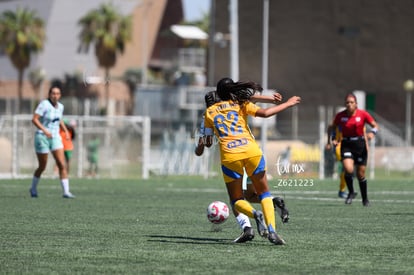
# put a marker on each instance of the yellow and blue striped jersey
(229, 121)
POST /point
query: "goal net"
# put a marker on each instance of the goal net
(122, 147)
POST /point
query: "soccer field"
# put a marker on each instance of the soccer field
(159, 226)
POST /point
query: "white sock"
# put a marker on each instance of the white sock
(65, 185)
(243, 221)
(35, 182)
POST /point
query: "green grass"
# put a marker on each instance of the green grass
(159, 226)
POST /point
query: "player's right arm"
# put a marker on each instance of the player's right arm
(205, 139)
(39, 125)
(199, 150)
(331, 133)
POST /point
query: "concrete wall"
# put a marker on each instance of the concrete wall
(323, 49)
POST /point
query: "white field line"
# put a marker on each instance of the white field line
(339, 199)
(293, 192)
(315, 192)
(290, 194)
(301, 195)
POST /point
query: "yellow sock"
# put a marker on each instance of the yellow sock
(269, 213)
(244, 207)
(342, 183)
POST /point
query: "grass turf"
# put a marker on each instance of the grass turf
(159, 226)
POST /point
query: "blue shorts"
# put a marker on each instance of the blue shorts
(44, 145)
(234, 170)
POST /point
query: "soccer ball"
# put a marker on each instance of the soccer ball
(217, 212)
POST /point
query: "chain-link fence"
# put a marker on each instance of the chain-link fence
(128, 147)
(121, 145)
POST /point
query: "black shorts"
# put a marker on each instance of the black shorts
(355, 149)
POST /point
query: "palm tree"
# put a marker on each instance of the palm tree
(109, 31)
(21, 34)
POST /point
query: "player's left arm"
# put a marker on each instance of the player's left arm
(274, 99)
(374, 129)
(273, 110)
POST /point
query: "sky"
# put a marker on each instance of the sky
(194, 9)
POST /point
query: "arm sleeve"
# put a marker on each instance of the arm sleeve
(251, 108)
(208, 131)
(368, 117)
(202, 128)
(40, 109)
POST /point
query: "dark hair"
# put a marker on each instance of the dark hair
(239, 91)
(351, 95)
(222, 85)
(211, 98)
(54, 86)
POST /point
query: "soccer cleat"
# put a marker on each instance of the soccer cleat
(246, 235)
(343, 195)
(261, 225)
(366, 203)
(33, 193)
(281, 209)
(350, 197)
(68, 196)
(275, 239)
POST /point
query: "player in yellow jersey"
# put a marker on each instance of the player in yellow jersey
(336, 138)
(342, 183)
(250, 192)
(239, 150)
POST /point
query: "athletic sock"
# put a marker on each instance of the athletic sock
(244, 207)
(65, 185)
(342, 183)
(35, 182)
(243, 221)
(269, 212)
(349, 182)
(363, 188)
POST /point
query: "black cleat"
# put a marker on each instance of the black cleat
(33, 193)
(275, 239)
(261, 225)
(366, 203)
(246, 236)
(343, 195)
(350, 197)
(281, 209)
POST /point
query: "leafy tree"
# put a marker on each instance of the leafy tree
(203, 23)
(109, 31)
(21, 35)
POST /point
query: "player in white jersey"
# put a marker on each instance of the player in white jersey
(48, 118)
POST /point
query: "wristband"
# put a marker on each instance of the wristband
(374, 131)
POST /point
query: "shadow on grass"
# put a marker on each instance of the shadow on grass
(401, 214)
(187, 240)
